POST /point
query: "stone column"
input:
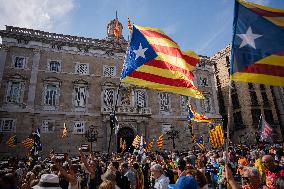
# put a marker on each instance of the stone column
(33, 79)
(3, 55)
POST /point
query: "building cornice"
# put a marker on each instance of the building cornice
(25, 34)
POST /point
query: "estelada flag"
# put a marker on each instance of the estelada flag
(258, 44)
(155, 61)
(265, 131)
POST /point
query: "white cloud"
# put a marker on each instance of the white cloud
(35, 14)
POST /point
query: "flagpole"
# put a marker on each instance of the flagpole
(229, 120)
(113, 117)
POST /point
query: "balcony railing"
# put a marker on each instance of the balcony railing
(127, 110)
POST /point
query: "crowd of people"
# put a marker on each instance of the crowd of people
(241, 167)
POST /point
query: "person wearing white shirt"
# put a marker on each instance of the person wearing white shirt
(161, 181)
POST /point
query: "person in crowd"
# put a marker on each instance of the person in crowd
(108, 179)
(272, 170)
(129, 174)
(161, 181)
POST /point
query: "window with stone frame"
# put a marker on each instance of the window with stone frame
(255, 113)
(8, 125)
(54, 66)
(268, 116)
(141, 98)
(207, 104)
(79, 127)
(14, 91)
(166, 127)
(82, 69)
(203, 81)
(108, 97)
(125, 95)
(184, 104)
(109, 71)
(238, 120)
(19, 62)
(51, 94)
(80, 96)
(47, 126)
(164, 102)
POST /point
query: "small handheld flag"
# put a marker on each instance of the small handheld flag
(149, 147)
(217, 136)
(12, 141)
(129, 25)
(265, 130)
(136, 141)
(160, 141)
(28, 142)
(65, 131)
(200, 143)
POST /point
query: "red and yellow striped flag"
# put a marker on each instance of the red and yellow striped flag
(217, 137)
(136, 141)
(149, 146)
(129, 25)
(28, 142)
(155, 61)
(160, 141)
(65, 131)
(12, 141)
(116, 31)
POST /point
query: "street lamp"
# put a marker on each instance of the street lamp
(173, 134)
(91, 136)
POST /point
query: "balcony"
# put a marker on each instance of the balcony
(127, 110)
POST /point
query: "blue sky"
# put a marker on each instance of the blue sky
(201, 25)
(204, 26)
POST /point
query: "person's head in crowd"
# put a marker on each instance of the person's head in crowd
(251, 178)
(157, 171)
(106, 184)
(279, 183)
(181, 164)
(199, 164)
(109, 176)
(198, 176)
(123, 167)
(8, 181)
(136, 166)
(268, 162)
(114, 166)
(47, 181)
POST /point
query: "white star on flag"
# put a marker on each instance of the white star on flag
(248, 38)
(140, 52)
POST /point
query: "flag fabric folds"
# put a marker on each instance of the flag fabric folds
(149, 146)
(160, 142)
(123, 146)
(37, 143)
(216, 136)
(136, 141)
(28, 142)
(194, 116)
(265, 131)
(155, 61)
(129, 25)
(12, 141)
(200, 143)
(64, 132)
(116, 31)
(258, 44)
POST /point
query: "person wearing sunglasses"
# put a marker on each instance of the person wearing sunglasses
(272, 170)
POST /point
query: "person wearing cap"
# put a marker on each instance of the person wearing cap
(161, 181)
(48, 181)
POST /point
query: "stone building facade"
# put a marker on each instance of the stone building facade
(249, 101)
(49, 79)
